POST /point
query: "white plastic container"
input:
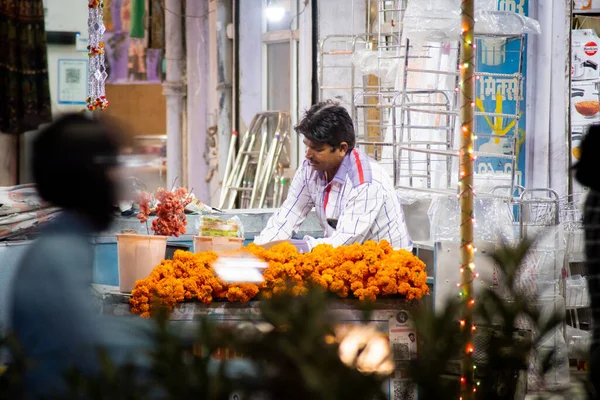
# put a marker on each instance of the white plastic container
(493, 52)
(138, 255)
(585, 55)
(209, 243)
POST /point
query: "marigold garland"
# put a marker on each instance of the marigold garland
(365, 271)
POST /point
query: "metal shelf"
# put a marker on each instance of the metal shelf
(586, 12)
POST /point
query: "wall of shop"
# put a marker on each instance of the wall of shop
(548, 100)
(544, 159)
(254, 78)
(66, 16)
(585, 78)
(197, 42)
(134, 66)
(250, 62)
(547, 151)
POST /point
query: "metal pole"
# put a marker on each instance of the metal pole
(224, 88)
(467, 117)
(174, 90)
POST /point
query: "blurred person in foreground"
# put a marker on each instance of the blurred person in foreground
(53, 314)
(587, 173)
(353, 196)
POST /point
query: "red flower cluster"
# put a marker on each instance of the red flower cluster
(93, 50)
(100, 102)
(144, 200)
(170, 211)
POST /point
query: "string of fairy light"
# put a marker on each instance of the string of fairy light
(466, 193)
(96, 98)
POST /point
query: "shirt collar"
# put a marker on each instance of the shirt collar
(342, 172)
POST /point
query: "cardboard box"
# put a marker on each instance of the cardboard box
(585, 102)
(577, 134)
(585, 55)
(586, 5)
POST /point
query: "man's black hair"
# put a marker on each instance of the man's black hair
(329, 123)
(71, 159)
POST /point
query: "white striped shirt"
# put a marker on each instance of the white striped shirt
(361, 197)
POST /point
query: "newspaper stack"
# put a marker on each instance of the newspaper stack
(22, 210)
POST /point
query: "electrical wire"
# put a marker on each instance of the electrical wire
(305, 2)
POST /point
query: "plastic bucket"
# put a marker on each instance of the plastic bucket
(138, 255)
(493, 52)
(208, 243)
(173, 247)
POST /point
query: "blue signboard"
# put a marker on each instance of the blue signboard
(500, 93)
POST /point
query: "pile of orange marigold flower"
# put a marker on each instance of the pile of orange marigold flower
(365, 271)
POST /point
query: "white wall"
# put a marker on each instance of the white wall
(250, 61)
(197, 41)
(548, 97)
(212, 104)
(55, 53)
(64, 15)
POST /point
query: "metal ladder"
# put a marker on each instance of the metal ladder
(251, 177)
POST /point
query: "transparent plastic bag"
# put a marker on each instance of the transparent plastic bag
(408, 197)
(505, 23)
(432, 20)
(493, 219)
(553, 344)
(577, 292)
(369, 63)
(216, 227)
(440, 21)
(578, 342)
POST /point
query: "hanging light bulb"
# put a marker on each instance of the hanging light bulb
(275, 11)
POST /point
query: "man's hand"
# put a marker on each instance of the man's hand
(301, 245)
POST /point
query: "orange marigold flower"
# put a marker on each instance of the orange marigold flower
(367, 271)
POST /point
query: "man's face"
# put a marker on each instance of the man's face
(323, 157)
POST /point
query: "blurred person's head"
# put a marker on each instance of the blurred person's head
(586, 170)
(74, 161)
(328, 135)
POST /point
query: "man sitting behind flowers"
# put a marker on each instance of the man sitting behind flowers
(353, 196)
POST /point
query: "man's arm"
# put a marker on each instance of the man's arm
(364, 204)
(287, 219)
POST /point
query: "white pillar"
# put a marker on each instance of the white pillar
(174, 90)
(197, 43)
(224, 75)
(548, 94)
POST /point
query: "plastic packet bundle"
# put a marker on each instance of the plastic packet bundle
(216, 227)
(197, 207)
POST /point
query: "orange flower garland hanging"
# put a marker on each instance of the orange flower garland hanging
(366, 271)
